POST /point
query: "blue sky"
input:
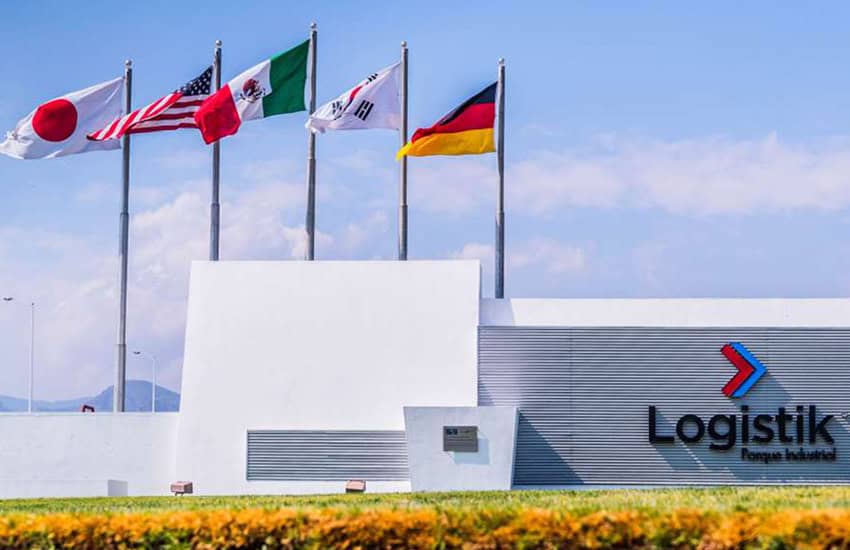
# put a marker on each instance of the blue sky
(653, 149)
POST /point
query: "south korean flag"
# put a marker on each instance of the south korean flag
(371, 104)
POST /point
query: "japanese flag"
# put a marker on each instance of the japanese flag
(371, 104)
(59, 127)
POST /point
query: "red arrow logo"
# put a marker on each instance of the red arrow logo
(745, 369)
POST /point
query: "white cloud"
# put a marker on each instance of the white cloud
(180, 160)
(77, 297)
(552, 256)
(73, 279)
(707, 176)
(475, 251)
(648, 260)
(546, 256)
(550, 181)
(452, 185)
(357, 234)
(95, 191)
(687, 177)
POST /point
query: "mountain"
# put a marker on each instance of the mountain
(137, 397)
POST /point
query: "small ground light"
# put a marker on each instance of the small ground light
(181, 488)
(355, 486)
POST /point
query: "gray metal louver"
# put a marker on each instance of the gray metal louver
(584, 392)
(332, 455)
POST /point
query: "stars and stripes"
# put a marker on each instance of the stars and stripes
(175, 110)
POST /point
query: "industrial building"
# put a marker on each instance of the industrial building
(300, 376)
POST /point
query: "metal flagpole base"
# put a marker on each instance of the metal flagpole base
(500, 255)
(118, 390)
(402, 232)
(215, 221)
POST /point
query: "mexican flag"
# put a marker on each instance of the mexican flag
(274, 87)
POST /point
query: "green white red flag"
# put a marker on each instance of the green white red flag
(274, 87)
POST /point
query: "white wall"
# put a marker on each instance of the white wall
(58, 488)
(318, 345)
(688, 312)
(75, 453)
(490, 468)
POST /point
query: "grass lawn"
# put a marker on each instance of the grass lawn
(655, 501)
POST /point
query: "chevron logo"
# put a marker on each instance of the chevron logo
(749, 368)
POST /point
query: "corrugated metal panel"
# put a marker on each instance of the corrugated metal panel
(584, 394)
(333, 455)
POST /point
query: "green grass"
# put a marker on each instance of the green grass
(650, 501)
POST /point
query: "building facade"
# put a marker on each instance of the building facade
(299, 376)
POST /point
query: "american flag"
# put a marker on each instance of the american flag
(176, 110)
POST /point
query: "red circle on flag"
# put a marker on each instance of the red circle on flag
(55, 120)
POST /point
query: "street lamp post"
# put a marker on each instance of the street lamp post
(32, 349)
(153, 377)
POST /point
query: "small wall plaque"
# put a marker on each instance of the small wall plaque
(460, 439)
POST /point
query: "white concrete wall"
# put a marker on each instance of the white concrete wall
(318, 345)
(52, 488)
(74, 454)
(432, 469)
(689, 312)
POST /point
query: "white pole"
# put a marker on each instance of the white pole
(215, 206)
(121, 346)
(310, 222)
(402, 191)
(500, 202)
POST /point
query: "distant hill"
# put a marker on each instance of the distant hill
(137, 398)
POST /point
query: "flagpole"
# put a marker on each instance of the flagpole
(500, 203)
(402, 191)
(215, 206)
(310, 222)
(121, 347)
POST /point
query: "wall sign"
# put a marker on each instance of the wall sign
(460, 439)
(800, 433)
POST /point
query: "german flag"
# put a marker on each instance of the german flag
(467, 130)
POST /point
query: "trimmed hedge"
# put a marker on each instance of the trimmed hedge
(429, 528)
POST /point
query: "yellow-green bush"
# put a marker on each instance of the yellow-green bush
(429, 528)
